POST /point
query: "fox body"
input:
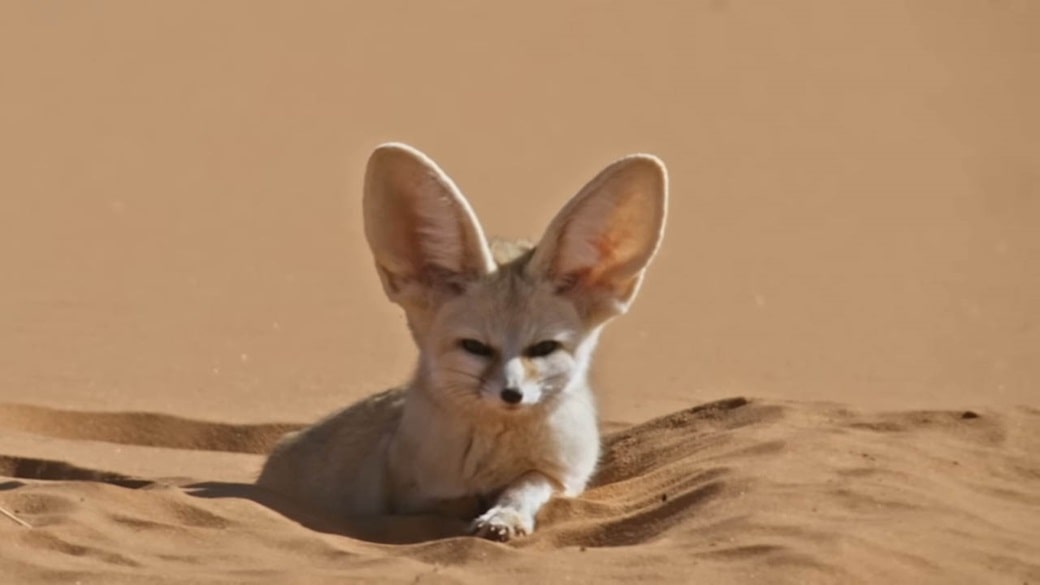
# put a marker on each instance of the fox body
(499, 407)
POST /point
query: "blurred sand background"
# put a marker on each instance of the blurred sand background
(855, 203)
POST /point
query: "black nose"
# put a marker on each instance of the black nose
(512, 395)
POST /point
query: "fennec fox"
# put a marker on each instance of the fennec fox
(500, 406)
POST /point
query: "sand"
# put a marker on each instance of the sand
(831, 374)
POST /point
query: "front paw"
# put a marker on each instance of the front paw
(502, 524)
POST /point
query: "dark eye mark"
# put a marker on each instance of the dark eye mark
(476, 348)
(542, 348)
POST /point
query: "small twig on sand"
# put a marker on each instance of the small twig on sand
(11, 515)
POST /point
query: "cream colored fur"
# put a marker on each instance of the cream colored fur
(499, 407)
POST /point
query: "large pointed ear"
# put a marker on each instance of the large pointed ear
(597, 247)
(425, 238)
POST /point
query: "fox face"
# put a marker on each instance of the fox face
(503, 329)
(507, 343)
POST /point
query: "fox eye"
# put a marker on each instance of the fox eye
(476, 348)
(543, 348)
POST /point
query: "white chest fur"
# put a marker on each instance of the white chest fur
(447, 457)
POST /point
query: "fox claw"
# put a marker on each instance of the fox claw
(501, 525)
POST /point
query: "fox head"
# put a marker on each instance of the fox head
(503, 328)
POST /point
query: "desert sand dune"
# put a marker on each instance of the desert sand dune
(852, 244)
(142, 428)
(731, 490)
